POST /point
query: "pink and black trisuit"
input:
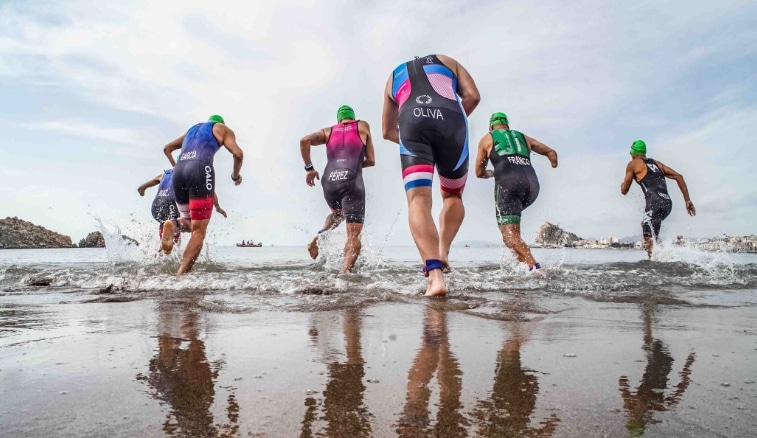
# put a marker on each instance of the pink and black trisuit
(342, 180)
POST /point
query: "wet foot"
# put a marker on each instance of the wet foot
(166, 241)
(540, 271)
(313, 249)
(436, 286)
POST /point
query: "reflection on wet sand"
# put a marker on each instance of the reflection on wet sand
(650, 395)
(342, 406)
(513, 398)
(182, 377)
(434, 356)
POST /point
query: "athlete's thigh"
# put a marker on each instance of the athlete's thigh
(533, 189)
(353, 202)
(332, 194)
(508, 204)
(201, 190)
(451, 152)
(180, 181)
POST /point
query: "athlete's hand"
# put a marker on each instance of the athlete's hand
(311, 177)
(236, 181)
(690, 208)
(141, 191)
(553, 158)
(489, 173)
(221, 211)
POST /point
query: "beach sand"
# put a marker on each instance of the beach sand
(568, 368)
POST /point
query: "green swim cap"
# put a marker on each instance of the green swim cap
(498, 118)
(345, 112)
(215, 118)
(639, 148)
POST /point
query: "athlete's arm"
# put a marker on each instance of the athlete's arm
(626, 184)
(220, 210)
(370, 157)
(229, 141)
(390, 115)
(170, 147)
(152, 183)
(672, 174)
(542, 149)
(317, 138)
(482, 159)
(466, 87)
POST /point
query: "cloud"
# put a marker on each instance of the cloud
(584, 78)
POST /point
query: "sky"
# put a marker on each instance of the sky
(90, 92)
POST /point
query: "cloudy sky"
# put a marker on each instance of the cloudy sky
(90, 92)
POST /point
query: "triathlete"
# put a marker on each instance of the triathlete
(194, 180)
(515, 184)
(164, 206)
(650, 175)
(426, 104)
(349, 148)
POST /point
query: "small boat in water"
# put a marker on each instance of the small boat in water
(250, 244)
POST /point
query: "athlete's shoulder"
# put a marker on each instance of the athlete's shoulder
(448, 61)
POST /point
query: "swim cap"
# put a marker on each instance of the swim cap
(639, 148)
(345, 112)
(215, 118)
(498, 118)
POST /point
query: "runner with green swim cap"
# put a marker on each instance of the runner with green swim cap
(345, 112)
(216, 118)
(639, 148)
(349, 148)
(650, 175)
(498, 118)
(516, 185)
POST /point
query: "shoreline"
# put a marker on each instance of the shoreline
(390, 369)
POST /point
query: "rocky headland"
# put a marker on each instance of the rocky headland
(17, 233)
(94, 239)
(552, 235)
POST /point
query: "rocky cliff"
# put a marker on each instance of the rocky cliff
(551, 234)
(94, 239)
(18, 233)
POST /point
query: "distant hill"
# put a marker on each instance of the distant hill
(18, 233)
(551, 234)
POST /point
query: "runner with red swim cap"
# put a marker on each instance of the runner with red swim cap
(194, 180)
(426, 104)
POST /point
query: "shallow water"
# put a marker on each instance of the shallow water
(266, 342)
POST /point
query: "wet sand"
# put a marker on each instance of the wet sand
(178, 366)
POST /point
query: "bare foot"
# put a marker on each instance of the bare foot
(166, 241)
(313, 249)
(436, 286)
(541, 272)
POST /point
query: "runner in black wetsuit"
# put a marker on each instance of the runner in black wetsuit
(164, 206)
(515, 184)
(650, 175)
(194, 180)
(349, 148)
(423, 114)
